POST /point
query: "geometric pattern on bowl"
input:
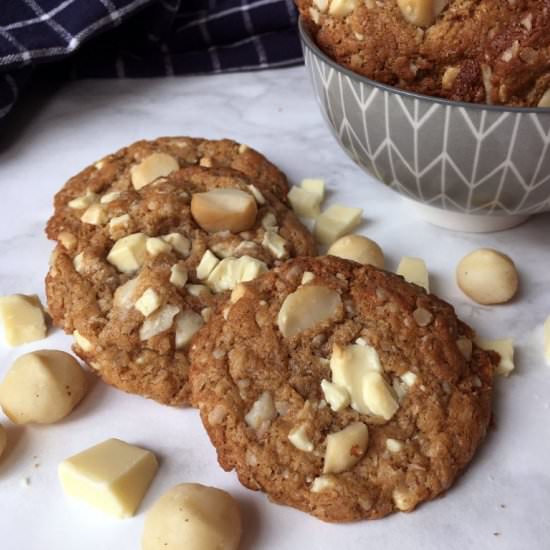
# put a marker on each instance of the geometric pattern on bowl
(455, 156)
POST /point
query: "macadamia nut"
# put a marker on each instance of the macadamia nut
(42, 386)
(359, 249)
(193, 517)
(487, 276)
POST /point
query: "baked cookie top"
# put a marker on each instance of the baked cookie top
(341, 389)
(484, 51)
(140, 261)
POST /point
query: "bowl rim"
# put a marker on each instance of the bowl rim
(308, 42)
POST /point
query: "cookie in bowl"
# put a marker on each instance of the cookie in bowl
(138, 268)
(484, 51)
(341, 389)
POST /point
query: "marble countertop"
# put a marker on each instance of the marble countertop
(501, 502)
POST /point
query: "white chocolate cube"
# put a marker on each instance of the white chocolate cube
(187, 323)
(414, 271)
(79, 203)
(178, 275)
(179, 243)
(505, 348)
(152, 167)
(304, 203)
(336, 396)
(275, 244)
(158, 322)
(22, 318)
(156, 246)
(112, 476)
(128, 253)
(206, 265)
(94, 215)
(148, 302)
(232, 271)
(315, 186)
(335, 222)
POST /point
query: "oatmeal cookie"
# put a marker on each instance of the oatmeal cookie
(144, 253)
(483, 51)
(341, 389)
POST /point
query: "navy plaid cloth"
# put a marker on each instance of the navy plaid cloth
(57, 39)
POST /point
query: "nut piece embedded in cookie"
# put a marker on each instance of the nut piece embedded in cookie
(187, 323)
(378, 396)
(129, 253)
(345, 448)
(275, 244)
(22, 318)
(224, 210)
(336, 396)
(152, 167)
(306, 307)
(158, 322)
(299, 438)
(414, 270)
(262, 412)
(341, 8)
(421, 13)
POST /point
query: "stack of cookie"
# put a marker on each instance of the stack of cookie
(336, 388)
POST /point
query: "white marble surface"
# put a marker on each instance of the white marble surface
(502, 500)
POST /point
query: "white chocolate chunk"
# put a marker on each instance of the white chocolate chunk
(178, 275)
(83, 343)
(269, 222)
(68, 240)
(306, 307)
(505, 348)
(156, 246)
(409, 378)
(148, 302)
(110, 197)
(119, 222)
(22, 317)
(128, 253)
(275, 244)
(304, 203)
(206, 265)
(198, 291)
(178, 242)
(421, 13)
(378, 396)
(315, 15)
(299, 438)
(403, 499)
(112, 476)
(315, 186)
(359, 249)
(546, 340)
(263, 410)
(545, 99)
(3, 440)
(307, 277)
(393, 445)
(78, 263)
(322, 5)
(465, 346)
(152, 167)
(342, 8)
(260, 199)
(187, 323)
(336, 396)
(124, 294)
(84, 201)
(237, 293)
(206, 162)
(322, 483)
(232, 271)
(335, 222)
(158, 322)
(94, 215)
(345, 448)
(243, 148)
(414, 271)
(224, 210)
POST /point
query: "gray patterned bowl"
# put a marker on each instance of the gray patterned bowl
(467, 167)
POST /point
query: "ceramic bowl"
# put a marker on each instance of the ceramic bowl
(466, 166)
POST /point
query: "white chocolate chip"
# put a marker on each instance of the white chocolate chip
(299, 438)
(148, 302)
(315, 15)
(269, 222)
(94, 215)
(124, 294)
(68, 240)
(83, 201)
(118, 222)
(158, 322)
(393, 445)
(199, 291)
(275, 244)
(128, 253)
(263, 410)
(413, 270)
(403, 499)
(205, 162)
(243, 148)
(315, 186)
(505, 348)
(206, 313)
(336, 396)
(178, 242)
(378, 396)
(217, 415)
(359, 249)
(156, 246)
(187, 324)
(465, 346)
(304, 203)
(152, 167)
(307, 277)
(178, 275)
(335, 222)
(260, 199)
(449, 77)
(342, 8)
(322, 483)
(78, 263)
(306, 307)
(409, 378)
(224, 209)
(345, 448)
(83, 343)
(232, 271)
(322, 5)
(110, 197)
(421, 13)
(206, 265)
(237, 293)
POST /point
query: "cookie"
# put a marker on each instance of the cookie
(141, 261)
(482, 51)
(341, 389)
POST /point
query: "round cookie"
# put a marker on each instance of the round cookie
(341, 389)
(135, 285)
